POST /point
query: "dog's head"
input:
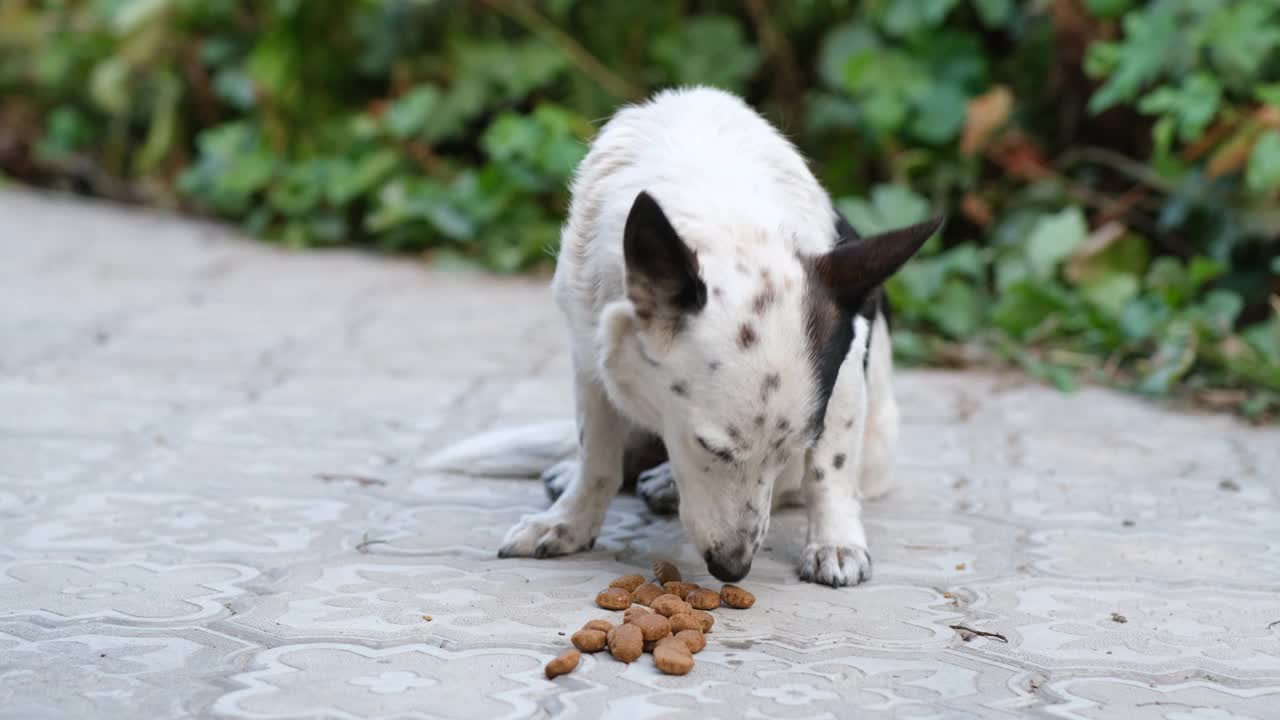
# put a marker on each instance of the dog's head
(731, 358)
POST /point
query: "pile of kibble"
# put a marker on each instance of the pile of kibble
(666, 617)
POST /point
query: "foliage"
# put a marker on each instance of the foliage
(1112, 166)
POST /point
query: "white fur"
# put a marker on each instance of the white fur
(743, 200)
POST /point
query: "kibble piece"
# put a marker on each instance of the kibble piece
(685, 621)
(645, 593)
(564, 663)
(707, 619)
(673, 657)
(627, 643)
(693, 639)
(614, 599)
(601, 625)
(628, 582)
(703, 599)
(666, 572)
(736, 597)
(669, 605)
(635, 611)
(679, 588)
(653, 626)
(589, 640)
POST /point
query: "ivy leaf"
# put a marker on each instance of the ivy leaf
(1263, 172)
(1111, 292)
(891, 206)
(711, 50)
(1108, 8)
(1054, 238)
(1240, 37)
(958, 310)
(1150, 38)
(1191, 105)
(906, 18)
(993, 13)
(841, 44)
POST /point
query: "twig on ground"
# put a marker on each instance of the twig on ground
(365, 542)
(962, 629)
(361, 480)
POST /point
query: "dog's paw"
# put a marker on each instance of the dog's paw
(546, 535)
(835, 565)
(556, 478)
(657, 488)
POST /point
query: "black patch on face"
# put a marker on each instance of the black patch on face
(746, 336)
(722, 454)
(838, 460)
(771, 383)
(680, 389)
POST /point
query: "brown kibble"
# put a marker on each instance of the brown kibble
(614, 599)
(678, 588)
(589, 640)
(601, 625)
(707, 619)
(653, 626)
(669, 605)
(626, 643)
(960, 566)
(672, 656)
(703, 599)
(666, 572)
(564, 663)
(693, 639)
(736, 597)
(427, 618)
(685, 621)
(628, 582)
(634, 612)
(645, 593)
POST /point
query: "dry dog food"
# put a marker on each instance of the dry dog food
(652, 626)
(706, 618)
(589, 640)
(633, 612)
(626, 643)
(703, 599)
(669, 605)
(672, 656)
(685, 621)
(666, 572)
(678, 588)
(601, 625)
(645, 593)
(614, 599)
(692, 639)
(736, 597)
(564, 663)
(628, 582)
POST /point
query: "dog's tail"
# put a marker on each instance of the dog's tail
(517, 453)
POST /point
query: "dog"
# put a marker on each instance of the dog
(730, 345)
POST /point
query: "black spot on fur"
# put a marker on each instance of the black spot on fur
(759, 421)
(713, 366)
(848, 425)
(784, 424)
(715, 291)
(746, 336)
(752, 509)
(819, 475)
(680, 389)
(771, 383)
(733, 433)
(741, 267)
(722, 454)
(838, 460)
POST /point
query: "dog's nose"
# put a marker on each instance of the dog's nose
(731, 568)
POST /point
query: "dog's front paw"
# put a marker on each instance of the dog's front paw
(835, 565)
(657, 488)
(546, 535)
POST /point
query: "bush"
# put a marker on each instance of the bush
(1112, 165)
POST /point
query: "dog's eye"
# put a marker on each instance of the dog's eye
(721, 454)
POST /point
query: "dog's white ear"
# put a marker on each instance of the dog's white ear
(857, 266)
(662, 272)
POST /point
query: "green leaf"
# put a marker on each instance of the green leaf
(707, 50)
(1108, 8)
(940, 115)
(1219, 311)
(361, 178)
(1192, 105)
(1174, 356)
(1023, 306)
(906, 18)
(1111, 292)
(1053, 239)
(891, 207)
(1202, 270)
(1150, 38)
(958, 310)
(1268, 94)
(1240, 37)
(993, 13)
(844, 42)
(1141, 317)
(409, 114)
(1275, 265)
(1263, 172)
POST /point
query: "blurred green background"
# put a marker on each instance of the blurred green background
(1111, 166)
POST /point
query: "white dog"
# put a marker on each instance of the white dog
(721, 314)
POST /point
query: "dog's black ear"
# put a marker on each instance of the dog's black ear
(662, 272)
(855, 267)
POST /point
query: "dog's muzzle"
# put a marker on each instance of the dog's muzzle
(728, 567)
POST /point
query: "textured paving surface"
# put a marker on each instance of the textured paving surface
(198, 435)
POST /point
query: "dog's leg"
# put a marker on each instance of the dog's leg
(882, 414)
(573, 521)
(657, 488)
(836, 552)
